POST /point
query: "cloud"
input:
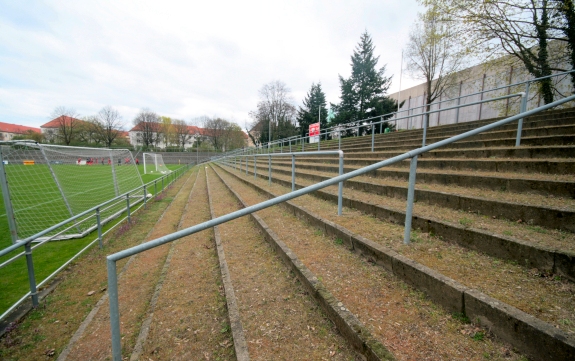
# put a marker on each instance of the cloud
(183, 59)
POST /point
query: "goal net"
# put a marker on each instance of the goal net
(48, 184)
(154, 164)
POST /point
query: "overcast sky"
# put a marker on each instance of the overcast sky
(184, 59)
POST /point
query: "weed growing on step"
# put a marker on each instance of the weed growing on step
(466, 222)
(338, 241)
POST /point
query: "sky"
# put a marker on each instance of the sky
(185, 59)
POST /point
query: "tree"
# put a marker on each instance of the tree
(313, 110)
(363, 94)
(67, 124)
(224, 135)
(275, 111)
(234, 137)
(147, 123)
(29, 134)
(181, 132)
(434, 54)
(519, 28)
(167, 131)
(108, 124)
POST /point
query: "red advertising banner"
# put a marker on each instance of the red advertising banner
(314, 133)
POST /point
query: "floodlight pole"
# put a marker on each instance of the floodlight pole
(8, 201)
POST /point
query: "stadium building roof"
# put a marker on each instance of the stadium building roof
(16, 129)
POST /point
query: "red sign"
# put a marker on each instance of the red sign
(314, 129)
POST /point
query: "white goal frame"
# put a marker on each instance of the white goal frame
(157, 165)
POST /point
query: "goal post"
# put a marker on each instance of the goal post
(154, 164)
(47, 184)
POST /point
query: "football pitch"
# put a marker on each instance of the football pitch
(46, 205)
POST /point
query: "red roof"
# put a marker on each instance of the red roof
(15, 128)
(55, 123)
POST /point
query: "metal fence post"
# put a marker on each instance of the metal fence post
(255, 168)
(523, 109)
(292, 172)
(372, 136)
(303, 144)
(145, 197)
(162, 184)
(410, 196)
(339, 142)
(381, 125)
(340, 187)
(155, 188)
(31, 275)
(114, 311)
(99, 228)
(128, 207)
(270, 170)
(425, 121)
(290, 145)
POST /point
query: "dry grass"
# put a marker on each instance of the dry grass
(563, 203)
(536, 235)
(46, 330)
(190, 318)
(281, 321)
(533, 291)
(411, 326)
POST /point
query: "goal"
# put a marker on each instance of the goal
(154, 164)
(47, 184)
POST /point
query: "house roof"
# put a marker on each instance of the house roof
(55, 123)
(17, 129)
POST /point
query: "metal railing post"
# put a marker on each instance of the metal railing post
(270, 170)
(372, 136)
(255, 168)
(339, 142)
(162, 184)
(523, 109)
(145, 197)
(410, 196)
(31, 275)
(318, 140)
(290, 145)
(99, 227)
(340, 187)
(114, 311)
(425, 121)
(128, 207)
(292, 172)
(155, 188)
(381, 125)
(303, 144)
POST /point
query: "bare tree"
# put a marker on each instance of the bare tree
(181, 132)
(67, 123)
(434, 54)
(214, 130)
(275, 111)
(147, 124)
(108, 124)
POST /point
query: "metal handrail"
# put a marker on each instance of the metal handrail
(94, 211)
(388, 115)
(113, 258)
(293, 156)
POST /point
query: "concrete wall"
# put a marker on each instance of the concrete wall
(473, 80)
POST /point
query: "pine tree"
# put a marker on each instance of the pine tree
(314, 106)
(363, 94)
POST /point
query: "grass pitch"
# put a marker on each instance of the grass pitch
(47, 210)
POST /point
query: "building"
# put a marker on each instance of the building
(52, 129)
(136, 136)
(8, 131)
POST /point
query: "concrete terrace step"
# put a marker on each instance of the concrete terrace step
(558, 217)
(554, 251)
(542, 184)
(495, 152)
(280, 320)
(455, 290)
